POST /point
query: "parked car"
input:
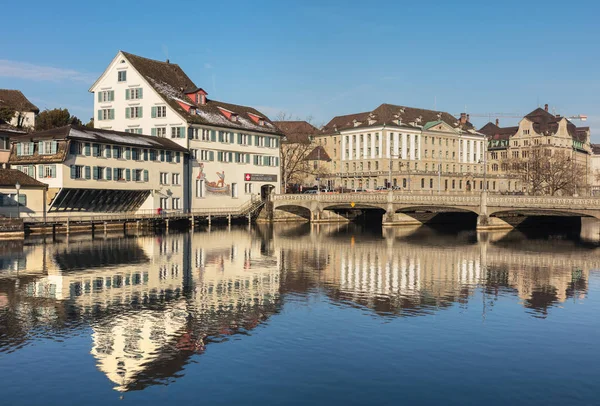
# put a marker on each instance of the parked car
(380, 188)
(310, 192)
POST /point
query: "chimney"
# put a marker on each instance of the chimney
(497, 123)
(468, 118)
(546, 106)
(168, 61)
(463, 118)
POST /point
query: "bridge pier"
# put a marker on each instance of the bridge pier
(391, 219)
(486, 223)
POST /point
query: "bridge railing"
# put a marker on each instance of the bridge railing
(53, 217)
(468, 199)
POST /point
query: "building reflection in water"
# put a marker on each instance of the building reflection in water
(155, 302)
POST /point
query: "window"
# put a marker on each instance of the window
(133, 94)
(175, 179)
(47, 171)
(118, 174)
(175, 203)
(200, 188)
(158, 111)
(106, 96)
(99, 172)
(137, 175)
(205, 134)
(76, 171)
(122, 76)
(164, 178)
(177, 132)
(133, 112)
(248, 188)
(135, 154)
(234, 190)
(134, 130)
(106, 114)
(47, 147)
(117, 152)
(164, 203)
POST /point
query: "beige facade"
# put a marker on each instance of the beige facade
(444, 154)
(539, 130)
(75, 162)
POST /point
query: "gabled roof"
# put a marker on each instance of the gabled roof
(493, 132)
(86, 134)
(10, 177)
(172, 84)
(318, 154)
(546, 123)
(297, 132)
(389, 114)
(16, 100)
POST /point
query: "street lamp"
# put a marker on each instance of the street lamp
(18, 187)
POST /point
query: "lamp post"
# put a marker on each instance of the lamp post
(18, 187)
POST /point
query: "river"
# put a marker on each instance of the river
(300, 314)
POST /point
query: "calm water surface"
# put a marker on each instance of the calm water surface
(301, 315)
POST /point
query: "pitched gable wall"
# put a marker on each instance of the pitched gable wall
(150, 98)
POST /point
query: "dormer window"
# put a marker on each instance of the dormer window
(234, 117)
(257, 119)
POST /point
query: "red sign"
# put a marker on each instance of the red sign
(248, 177)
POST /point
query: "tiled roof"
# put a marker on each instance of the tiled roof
(388, 114)
(171, 82)
(7, 129)
(547, 124)
(86, 134)
(493, 132)
(318, 154)
(16, 100)
(595, 149)
(10, 177)
(297, 132)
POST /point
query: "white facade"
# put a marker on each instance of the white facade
(221, 155)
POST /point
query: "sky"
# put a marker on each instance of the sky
(322, 58)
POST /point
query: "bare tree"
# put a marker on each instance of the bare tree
(546, 171)
(294, 168)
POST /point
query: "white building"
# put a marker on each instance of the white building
(234, 150)
(95, 170)
(24, 110)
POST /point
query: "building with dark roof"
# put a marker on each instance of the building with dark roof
(296, 170)
(24, 110)
(536, 130)
(227, 141)
(99, 171)
(403, 147)
(19, 189)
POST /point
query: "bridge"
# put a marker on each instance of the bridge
(402, 208)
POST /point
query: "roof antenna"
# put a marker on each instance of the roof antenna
(434, 103)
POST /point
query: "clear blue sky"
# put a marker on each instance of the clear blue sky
(319, 58)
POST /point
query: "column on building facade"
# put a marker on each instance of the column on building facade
(343, 147)
(372, 146)
(380, 146)
(366, 147)
(464, 151)
(478, 151)
(350, 148)
(396, 146)
(388, 145)
(411, 138)
(418, 155)
(404, 146)
(357, 152)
